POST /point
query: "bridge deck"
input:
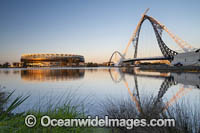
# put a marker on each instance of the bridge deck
(146, 59)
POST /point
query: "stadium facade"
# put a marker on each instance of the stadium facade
(51, 60)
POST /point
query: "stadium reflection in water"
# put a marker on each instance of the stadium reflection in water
(41, 75)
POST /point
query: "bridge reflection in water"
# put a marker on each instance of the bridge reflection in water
(187, 80)
(40, 75)
(156, 106)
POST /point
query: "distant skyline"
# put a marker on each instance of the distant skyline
(92, 28)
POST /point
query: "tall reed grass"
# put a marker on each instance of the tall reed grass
(187, 119)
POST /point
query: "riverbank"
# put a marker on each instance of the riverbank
(166, 68)
(15, 122)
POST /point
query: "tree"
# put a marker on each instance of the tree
(91, 64)
(6, 65)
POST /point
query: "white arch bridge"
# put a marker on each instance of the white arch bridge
(190, 56)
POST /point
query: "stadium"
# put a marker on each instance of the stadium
(51, 60)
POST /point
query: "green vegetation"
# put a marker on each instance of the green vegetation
(186, 119)
(91, 64)
(12, 122)
(15, 123)
(5, 65)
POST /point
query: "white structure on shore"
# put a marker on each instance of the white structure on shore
(187, 58)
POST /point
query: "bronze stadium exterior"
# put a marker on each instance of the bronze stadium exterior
(51, 60)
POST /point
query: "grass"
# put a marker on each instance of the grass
(187, 119)
(16, 122)
(12, 122)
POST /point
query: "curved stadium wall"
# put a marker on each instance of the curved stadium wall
(51, 60)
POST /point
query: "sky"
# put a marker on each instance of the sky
(92, 28)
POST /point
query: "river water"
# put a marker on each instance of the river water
(93, 87)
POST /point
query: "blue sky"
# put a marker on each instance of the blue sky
(93, 28)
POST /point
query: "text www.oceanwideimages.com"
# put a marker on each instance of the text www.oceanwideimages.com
(46, 121)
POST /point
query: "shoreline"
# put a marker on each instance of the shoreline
(161, 68)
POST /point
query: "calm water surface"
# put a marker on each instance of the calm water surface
(94, 86)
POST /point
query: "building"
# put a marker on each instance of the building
(187, 59)
(51, 60)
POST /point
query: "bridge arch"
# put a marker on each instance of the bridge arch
(158, 28)
(116, 52)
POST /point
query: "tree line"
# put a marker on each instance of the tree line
(5, 65)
